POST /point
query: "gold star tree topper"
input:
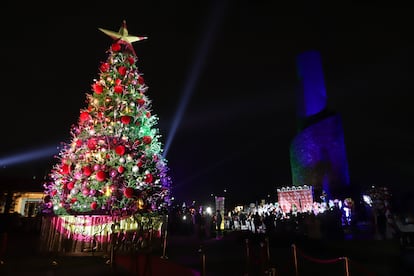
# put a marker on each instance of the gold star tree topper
(123, 37)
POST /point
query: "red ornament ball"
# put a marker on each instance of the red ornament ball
(70, 185)
(148, 178)
(121, 169)
(65, 169)
(92, 143)
(146, 140)
(87, 170)
(105, 67)
(118, 89)
(116, 47)
(122, 70)
(128, 192)
(84, 116)
(126, 120)
(141, 80)
(79, 142)
(141, 102)
(120, 150)
(94, 205)
(131, 60)
(97, 88)
(100, 176)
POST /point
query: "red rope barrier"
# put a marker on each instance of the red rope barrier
(356, 265)
(316, 260)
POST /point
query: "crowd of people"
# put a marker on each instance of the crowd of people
(205, 225)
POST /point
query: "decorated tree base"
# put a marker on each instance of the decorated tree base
(101, 234)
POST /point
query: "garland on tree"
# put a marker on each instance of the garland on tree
(114, 163)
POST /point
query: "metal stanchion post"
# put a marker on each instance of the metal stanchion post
(346, 266)
(3, 247)
(263, 258)
(271, 271)
(203, 261)
(111, 256)
(295, 259)
(164, 246)
(267, 250)
(247, 255)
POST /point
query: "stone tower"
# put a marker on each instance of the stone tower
(317, 152)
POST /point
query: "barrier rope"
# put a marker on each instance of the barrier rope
(356, 265)
(321, 261)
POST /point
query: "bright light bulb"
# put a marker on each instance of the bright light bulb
(209, 210)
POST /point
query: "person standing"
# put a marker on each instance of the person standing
(257, 222)
(219, 219)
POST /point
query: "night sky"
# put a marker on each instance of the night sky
(235, 66)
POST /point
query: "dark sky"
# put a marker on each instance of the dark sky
(237, 64)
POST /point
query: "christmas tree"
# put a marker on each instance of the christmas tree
(113, 164)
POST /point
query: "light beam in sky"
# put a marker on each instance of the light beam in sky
(24, 157)
(199, 60)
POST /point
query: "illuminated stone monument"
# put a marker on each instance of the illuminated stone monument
(317, 152)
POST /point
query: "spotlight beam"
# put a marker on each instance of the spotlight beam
(28, 156)
(214, 20)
